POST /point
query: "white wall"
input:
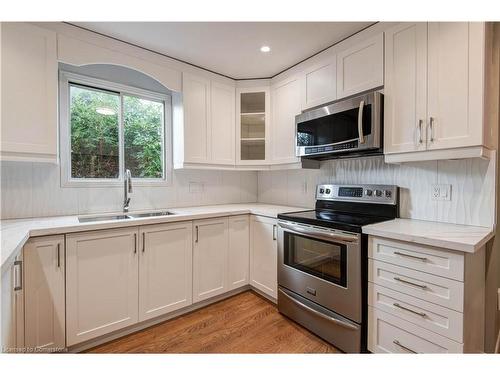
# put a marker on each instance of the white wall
(472, 180)
(33, 190)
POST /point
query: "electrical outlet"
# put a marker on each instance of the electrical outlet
(441, 192)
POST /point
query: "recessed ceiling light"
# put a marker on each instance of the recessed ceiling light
(265, 49)
(105, 111)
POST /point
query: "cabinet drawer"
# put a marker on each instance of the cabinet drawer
(389, 334)
(424, 314)
(421, 258)
(435, 289)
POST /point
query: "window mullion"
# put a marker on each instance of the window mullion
(121, 150)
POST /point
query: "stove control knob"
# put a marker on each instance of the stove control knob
(388, 194)
(328, 191)
(321, 191)
(378, 193)
(369, 192)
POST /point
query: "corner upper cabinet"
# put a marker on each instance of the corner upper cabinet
(434, 92)
(252, 125)
(222, 121)
(319, 83)
(360, 67)
(286, 104)
(45, 311)
(29, 93)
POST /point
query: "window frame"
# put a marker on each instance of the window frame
(68, 78)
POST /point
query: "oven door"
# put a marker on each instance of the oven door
(347, 125)
(322, 265)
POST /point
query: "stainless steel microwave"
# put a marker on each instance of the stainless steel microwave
(348, 127)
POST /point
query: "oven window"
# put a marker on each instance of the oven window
(322, 259)
(334, 128)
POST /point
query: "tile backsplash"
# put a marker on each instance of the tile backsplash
(472, 186)
(33, 190)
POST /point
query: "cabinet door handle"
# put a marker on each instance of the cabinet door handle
(423, 259)
(135, 243)
(58, 255)
(420, 139)
(431, 126)
(143, 241)
(19, 282)
(422, 314)
(274, 231)
(410, 283)
(404, 347)
(196, 232)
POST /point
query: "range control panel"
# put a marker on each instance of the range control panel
(387, 194)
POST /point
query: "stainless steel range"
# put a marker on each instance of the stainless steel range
(322, 261)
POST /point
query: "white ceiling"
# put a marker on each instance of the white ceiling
(232, 48)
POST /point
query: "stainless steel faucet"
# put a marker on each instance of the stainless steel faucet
(127, 189)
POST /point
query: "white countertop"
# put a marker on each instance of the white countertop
(15, 233)
(464, 238)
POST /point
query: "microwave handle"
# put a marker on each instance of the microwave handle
(360, 122)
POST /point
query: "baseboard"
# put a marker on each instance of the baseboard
(143, 325)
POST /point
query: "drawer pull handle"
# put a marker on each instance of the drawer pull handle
(423, 259)
(410, 283)
(423, 315)
(404, 347)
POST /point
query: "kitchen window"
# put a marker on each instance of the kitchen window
(107, 128)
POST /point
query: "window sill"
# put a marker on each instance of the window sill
(114, 184)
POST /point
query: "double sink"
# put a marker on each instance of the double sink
(90, 219)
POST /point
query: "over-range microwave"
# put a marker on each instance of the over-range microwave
(346, 128)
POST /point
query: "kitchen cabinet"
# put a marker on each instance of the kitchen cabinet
(205, 136)
(319, 83)
(12, 298)
(165, 268)
(252, 125)
(29, 93)
(239, 252)
(45, 320)
(434, 91)
(360, 67)
(101, 282)
(286, 104)
(264, 255)
(210, 248)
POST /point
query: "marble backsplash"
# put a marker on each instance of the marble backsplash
(472, 186)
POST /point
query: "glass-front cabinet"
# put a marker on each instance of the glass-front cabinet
(252, 125)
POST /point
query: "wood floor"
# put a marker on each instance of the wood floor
(245, 323)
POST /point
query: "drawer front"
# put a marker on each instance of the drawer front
(422, 258)
(435, 289)
(389, 334)
(424, 314)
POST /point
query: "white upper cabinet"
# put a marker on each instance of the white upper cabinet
(360, 67)
(165, 268)
(29, 93)
(405, 90)
(434, 92)
(208, 128)
(45, 311)
(223, 124)
(286, 104)
(196, 102)
(210, 249)
(319, 83)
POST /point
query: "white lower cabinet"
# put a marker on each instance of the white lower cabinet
(210, 248)
(264, 255)
(101, 282)
(165, 268)
(239, 252)
(12, 305)
(45, 321)
(424, 299)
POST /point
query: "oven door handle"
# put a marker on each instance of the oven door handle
(323, 235)
(318, 313)
(360, 122)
